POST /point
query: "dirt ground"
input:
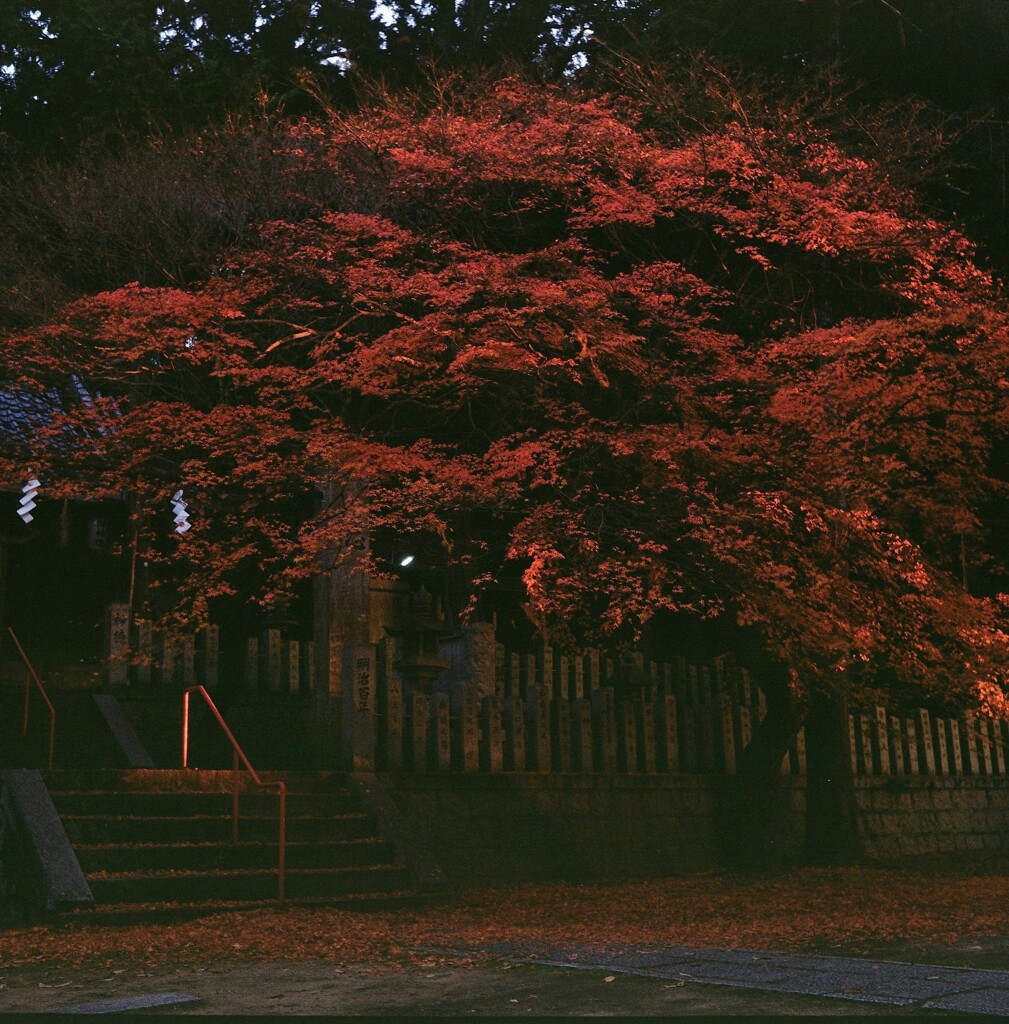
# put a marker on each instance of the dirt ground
(327, 962)
(320, 989)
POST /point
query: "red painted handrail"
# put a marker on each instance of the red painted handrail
(30, 677)
(239, 755)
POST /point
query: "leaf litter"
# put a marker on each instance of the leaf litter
(808, 909)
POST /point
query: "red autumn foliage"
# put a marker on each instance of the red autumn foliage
(731, 376)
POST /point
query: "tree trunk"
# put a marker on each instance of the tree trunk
(831, 822)
(755, 840)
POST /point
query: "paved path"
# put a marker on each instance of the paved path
(885, 982)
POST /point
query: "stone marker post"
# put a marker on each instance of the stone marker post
(666, 741)
(252, 664)
(882, 741)
(941, 747)
(728, 735)
(925, 728)
(440, 736)
(515, 734)
(582, 735)
(188, 650)
(644, 713)
(627, 737)
(970, 742)
(167, 662)
(274, 659)
(913, 760)
(393, 692)
(210, 648)
(145, 652)
(117, 645)
(358, 718)
(292, 668)
(468, 744)
(538, 729)
(605, 730)
(492, 752)
(897, 743)
(560, 739)
(419, 726)
(954, 733)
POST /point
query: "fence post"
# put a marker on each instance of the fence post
(440, 735)
(515, 734)
(605, 729)
(252, 664)
(492, 752)
(666, 728)
(882, 741)
(582, 740)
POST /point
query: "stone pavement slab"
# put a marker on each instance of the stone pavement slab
(882, 982)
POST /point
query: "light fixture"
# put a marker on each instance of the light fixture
(405, 561)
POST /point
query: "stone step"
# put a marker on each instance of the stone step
(230, 856)
(101, 829)
(193, 886)
(120, 803)
(129, 914)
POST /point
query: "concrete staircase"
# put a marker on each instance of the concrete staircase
(157, 839)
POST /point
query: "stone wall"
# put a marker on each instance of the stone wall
(500, 829)
(512, 827)
(913, 817)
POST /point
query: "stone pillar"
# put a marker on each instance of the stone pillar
(117, 645)
(667, 756)
(492, 753)
(882, 741)
(563, 678)
(292, 668)
(188, 652)
(420, 715)
(913, 760)
(144, 659)
(982, 727)
(440, 736)
(582, 735)
(926, 741)
(273, 659)
(865, 737)
(560, 735)
(308, 666)
(645, 716)
(688, 747)
(252, 664)
(898, 745)
(605, 731)
(538, 729)
(941, 746)
(393, 708)
(954, 735)
(467, 753)
(166, 664)
(358, 712)
(998, 747)
(210, 647)
(472, 659)
(627, 737)
(515, 734)
(970, 742)
(728, 735)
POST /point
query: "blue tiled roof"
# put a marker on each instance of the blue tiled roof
(23, 411)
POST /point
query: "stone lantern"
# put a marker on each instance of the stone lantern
(418, 636)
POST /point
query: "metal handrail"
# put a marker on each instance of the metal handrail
(30, 676)
(239, 755)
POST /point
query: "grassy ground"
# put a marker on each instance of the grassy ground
(846, 911)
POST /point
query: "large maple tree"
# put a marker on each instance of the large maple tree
(659, 376)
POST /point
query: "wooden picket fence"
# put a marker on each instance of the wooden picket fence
(554, 712)
(566, 714)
